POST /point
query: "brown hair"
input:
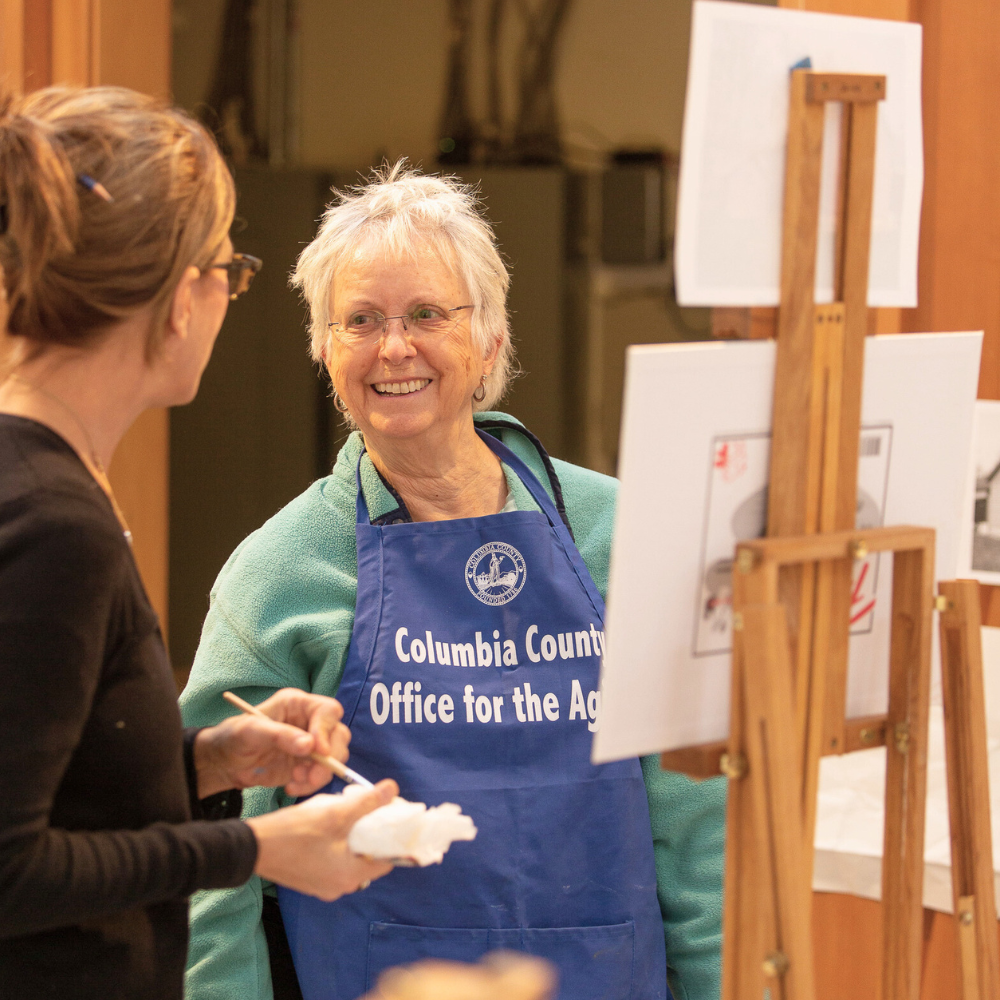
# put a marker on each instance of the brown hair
(73, 263)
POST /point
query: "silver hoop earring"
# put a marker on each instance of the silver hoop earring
(480, 394)
(338, 403)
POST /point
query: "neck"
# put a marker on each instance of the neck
(454, 476)
(85, 395)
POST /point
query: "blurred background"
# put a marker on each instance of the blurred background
(566, 115)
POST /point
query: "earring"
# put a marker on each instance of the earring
(338, 403)
(480, 394)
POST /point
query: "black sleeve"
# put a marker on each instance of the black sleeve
(58, 587)
(222, 805)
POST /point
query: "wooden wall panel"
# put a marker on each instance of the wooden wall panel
(135, 45)
(959, 281)
(847, 934)
(75, 48)
(133, 50)
(37, 50)
(127, 43)
(12, 44)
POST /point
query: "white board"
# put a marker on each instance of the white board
(728, 243)
(684, 503)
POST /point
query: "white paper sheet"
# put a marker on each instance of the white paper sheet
(980, 549)
(728, 242)
(665, 680)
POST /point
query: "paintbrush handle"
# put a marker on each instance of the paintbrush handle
(339, 769)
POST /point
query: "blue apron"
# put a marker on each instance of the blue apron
(472, 677)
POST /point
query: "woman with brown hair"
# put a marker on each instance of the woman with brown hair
(117, 273)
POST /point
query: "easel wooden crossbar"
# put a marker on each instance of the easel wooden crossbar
(791, 620)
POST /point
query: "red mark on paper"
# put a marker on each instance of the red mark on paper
(857, 617)
(857, 596)
(856, 593)
(731, 459)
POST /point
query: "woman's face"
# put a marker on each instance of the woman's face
(404, 383)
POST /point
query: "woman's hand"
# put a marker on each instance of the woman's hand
(246, 750)
(304, 847)
(499, 975)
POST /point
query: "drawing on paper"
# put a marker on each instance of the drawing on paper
(986, 509)
(736, 510)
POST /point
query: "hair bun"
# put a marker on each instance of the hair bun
(71, 160)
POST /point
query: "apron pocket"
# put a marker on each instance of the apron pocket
(595, 963)
(401, 944)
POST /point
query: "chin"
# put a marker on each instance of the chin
(182, 395)
(400, 421)
(399, 425)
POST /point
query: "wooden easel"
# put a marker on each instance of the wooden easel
(791, 620)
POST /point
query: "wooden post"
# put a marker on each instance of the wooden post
(747, 902)
(968, 789)
(906, 772)
(774, 763)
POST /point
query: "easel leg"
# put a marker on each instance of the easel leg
(906, 772)
(775, 778)
(745, 886)
(968, 786)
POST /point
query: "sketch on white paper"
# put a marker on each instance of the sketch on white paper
(736, 511)
(981, 535)
(729, 209)
(665, 681)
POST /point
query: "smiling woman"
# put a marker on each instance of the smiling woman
(447, 539)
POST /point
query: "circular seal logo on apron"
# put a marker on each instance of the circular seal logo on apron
(495, 573)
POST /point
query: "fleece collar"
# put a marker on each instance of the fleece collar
(385, 505)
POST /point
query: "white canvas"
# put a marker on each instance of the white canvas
(661, 690)
(728, 242)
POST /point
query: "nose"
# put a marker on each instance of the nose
(396, 343)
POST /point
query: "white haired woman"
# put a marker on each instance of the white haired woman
(117, 272)
(447, 582)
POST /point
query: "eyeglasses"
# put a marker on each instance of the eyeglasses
(241, 270)
(425, 318)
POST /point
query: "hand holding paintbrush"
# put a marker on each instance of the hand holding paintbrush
(327, 760)
(294, 739)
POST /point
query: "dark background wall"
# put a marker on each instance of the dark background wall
(262, 428)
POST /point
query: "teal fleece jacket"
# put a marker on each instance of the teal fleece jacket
(281, 615)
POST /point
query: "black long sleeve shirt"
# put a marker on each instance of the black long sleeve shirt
(98, 851)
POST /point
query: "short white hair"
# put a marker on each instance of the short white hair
(397, 212)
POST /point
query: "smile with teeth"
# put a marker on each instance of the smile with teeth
(400, 388)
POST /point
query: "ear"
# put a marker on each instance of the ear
(181, 304)
(490, 359)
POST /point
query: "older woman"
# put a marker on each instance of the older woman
(446, 581)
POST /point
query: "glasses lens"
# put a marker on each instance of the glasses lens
(362, 323)
(241, 270)
(432, 319)
(240, 278)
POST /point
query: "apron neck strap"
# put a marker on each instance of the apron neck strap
(530, 480)
(527, 477)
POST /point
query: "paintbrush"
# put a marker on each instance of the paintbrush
(341, 770)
